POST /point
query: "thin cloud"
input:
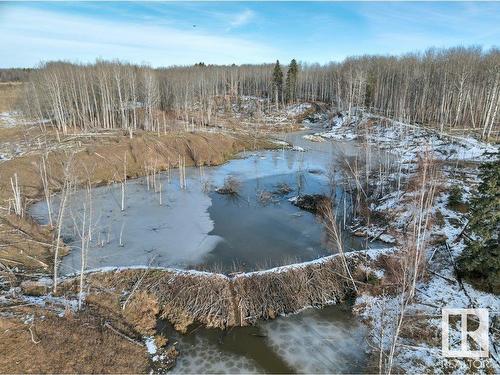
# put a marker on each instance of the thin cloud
(242, 18)
(185, 33)
(402, 27)
(430, 19)
(47, 35)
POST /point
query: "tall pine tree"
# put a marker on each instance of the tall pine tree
(278, 82)
(291, 81)
(480, 261)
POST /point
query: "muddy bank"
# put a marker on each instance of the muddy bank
(100, 159)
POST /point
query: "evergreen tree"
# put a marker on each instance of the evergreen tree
(480, 261)
(278, 82)
(291, 81)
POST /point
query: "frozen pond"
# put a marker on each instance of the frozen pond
(327, 340)
(199, 228)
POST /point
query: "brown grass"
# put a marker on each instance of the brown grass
(78, 343)
(101, 158)
(10, 95)
(105, 337)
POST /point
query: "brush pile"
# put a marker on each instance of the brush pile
(268, 294)
(310, 203)
(218, 301)
(231, 186)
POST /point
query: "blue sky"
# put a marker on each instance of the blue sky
(180, 33)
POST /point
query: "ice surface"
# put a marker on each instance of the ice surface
(181, 233)
(328, 340)
(175, 233)
(204, 357)
(311, 342)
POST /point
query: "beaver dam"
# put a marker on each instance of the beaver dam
(226, 247)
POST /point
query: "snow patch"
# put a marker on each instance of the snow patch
(295, 110)
(150, 345)
(313, 138)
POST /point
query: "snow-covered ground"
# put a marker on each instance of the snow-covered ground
(420, 351)
(418, 348)
(406, 141)
(294, 110)
(12, 119)
(9, 119)
(250, 110)
(12, 149)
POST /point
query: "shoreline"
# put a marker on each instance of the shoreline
(364, 305)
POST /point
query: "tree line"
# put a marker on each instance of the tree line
(454, 88)
(14, 74)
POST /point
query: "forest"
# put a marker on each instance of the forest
(453, 89)
(14, 74)
(145, 209)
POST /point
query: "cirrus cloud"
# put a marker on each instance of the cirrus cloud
(34, 35)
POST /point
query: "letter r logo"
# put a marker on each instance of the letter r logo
(479, 336)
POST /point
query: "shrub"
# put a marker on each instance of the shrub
(231, 186)
(455, 198)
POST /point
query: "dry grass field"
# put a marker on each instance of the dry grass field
(10, 94)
